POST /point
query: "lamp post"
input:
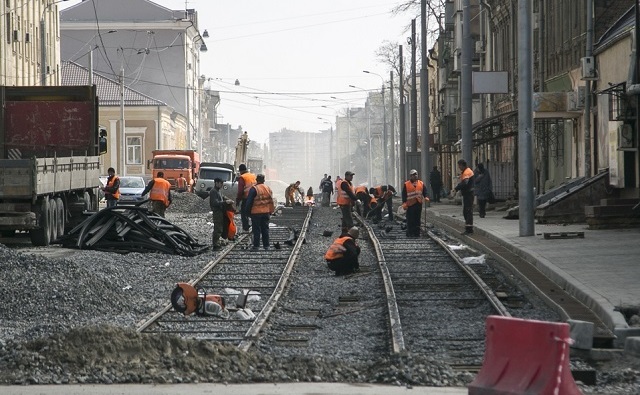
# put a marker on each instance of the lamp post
(384, 127)
(331, 167)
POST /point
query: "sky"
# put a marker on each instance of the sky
(294, 59)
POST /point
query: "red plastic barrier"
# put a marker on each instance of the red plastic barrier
(525, 357)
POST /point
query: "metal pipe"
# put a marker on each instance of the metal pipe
(587, 97)
(424, 97)
(403, 120)
(465, 81)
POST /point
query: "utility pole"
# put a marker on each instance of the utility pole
(587, 94)
(384, 135)
(123, 147)
(525, 120)
(392, 132)
(414, 91)
(403, 121)
(465, 81)
(424, 96)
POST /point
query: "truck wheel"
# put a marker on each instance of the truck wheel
(53, 220)
(60, 214)
(41, 235)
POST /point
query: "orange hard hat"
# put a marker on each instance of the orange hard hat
(184, 298)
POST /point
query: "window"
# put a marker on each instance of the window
(134, 150)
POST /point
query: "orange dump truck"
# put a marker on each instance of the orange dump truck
(175, 162)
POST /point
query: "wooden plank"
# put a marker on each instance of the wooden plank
(563, 235)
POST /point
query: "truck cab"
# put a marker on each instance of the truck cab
(173, 163)
(210, 171)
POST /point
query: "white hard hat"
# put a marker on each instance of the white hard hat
(354, 232)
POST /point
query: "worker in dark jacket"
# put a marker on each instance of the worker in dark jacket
(327, 189)
(342, 255)
(112, 189)
(159, 191)
(219, 205)
(246, 180)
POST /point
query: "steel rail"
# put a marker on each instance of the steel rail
(261, 319)
(149, 321)
(397, 336)
(486, 290)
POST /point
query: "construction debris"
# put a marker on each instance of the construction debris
(130, 229)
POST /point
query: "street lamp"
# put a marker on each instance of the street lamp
(331, 167)
(384, 126)
(43, 44)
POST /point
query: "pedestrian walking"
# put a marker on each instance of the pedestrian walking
(327, 190)
(246, 181)
(384, 194)
(465, 186)
(414, 192)
(483, 188)
(219, 205)
(435, 179)
(342, 255)
(346, 200)
(260, 206)
(112, 189)
(159, 191)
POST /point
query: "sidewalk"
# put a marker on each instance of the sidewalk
(602, 269)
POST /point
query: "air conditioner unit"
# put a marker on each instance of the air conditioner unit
(16, 35)
(575, 99)
(480, 46)
(625, 136)
(588, 68)
(457, 60)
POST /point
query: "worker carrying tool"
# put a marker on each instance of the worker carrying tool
(384, 194)
(362, 194)
(187, 300)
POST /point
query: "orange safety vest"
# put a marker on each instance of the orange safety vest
(337, 249)
(467, 173)
(361, 188)
(373, 202)
(231, 231)
(378, 192)
(343, 198)
(414, 193)
(249, 181)
(110, 184)
(160, 191)
(181, 183)
(263, 202)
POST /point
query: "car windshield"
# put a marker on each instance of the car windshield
(210, 174)
(133, 182)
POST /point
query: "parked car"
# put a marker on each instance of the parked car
(131, 188)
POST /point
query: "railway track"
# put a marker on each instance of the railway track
(426, 284)
(261, 274)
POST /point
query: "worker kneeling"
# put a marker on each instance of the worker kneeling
(342, 255)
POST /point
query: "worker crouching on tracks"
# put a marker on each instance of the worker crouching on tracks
(186, 300)
(159, 191)
(342, 255)
(260, 205)
(290, 194)
(362, 194)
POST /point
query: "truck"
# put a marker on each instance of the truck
(174, 162)
(212, 170)
(50, 147)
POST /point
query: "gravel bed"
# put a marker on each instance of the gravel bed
(73, 319)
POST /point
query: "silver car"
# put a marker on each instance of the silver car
(131, 189)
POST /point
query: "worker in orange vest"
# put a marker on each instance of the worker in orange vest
(414, 192)
(181, 184)
(384, 194)
(465, 186)
(346, 199)
(112, 189)
(342, 255)
(246, 180)
(362, 194)
(260, 205)
(159, 191)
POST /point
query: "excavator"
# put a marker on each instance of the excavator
(242, 148)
